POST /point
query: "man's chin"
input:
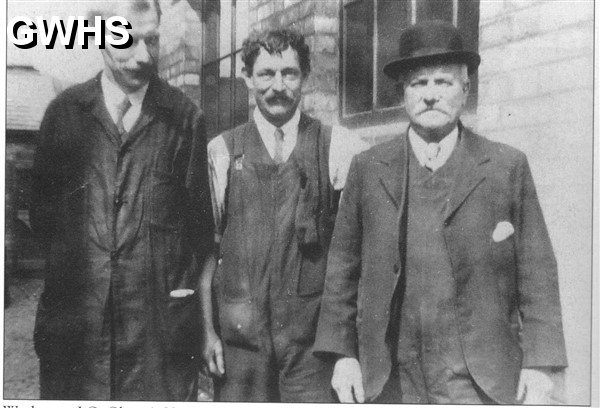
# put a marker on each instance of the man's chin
(279, 114)
(433, 125)
(133, 85)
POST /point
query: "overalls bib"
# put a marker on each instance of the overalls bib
(268, 286)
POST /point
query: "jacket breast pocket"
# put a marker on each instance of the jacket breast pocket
(167, 199)
(503, 255)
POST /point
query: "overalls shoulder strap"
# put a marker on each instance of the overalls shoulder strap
(235, 142)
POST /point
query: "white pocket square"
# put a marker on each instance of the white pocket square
(503, 230)
(181, 293)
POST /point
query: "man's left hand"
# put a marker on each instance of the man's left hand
(535, 386)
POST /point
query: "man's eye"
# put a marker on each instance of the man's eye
(291, 76)
(152, 40)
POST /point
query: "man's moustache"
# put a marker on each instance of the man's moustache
(142, 70)
(281, 99)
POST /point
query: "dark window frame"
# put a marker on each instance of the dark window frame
(211, 104)
(465, 17)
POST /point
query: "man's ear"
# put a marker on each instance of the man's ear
(247, 78)
(467, 87)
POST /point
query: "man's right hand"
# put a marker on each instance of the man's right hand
(213, 354)
(347, 380)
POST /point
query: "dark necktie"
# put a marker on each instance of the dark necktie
(278, 155)
(122, 109)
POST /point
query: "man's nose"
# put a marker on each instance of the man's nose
(431, 95)
(278, 84)
(141, 53)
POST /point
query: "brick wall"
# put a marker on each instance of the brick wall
(181, 46)
(535, 93)
(317, 20)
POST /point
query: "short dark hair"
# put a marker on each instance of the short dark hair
(142, 6)
(275, 42)
(138, 6)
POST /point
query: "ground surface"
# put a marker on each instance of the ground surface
(21, 366)
(20, 362)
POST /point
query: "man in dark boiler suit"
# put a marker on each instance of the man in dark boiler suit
(122, 205)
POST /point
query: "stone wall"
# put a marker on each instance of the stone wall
(535, 93)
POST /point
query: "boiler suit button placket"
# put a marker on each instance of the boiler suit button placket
(117, 206)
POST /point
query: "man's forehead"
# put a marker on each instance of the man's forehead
(288, 55)
(436, 69)
(129, 9)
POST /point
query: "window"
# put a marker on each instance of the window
(224, 92)
(369, 32)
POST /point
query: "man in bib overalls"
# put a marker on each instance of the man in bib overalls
(274, 206)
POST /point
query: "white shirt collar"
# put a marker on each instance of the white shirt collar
(113, 95)
(419, 146)
(267, 132)
(264, 126)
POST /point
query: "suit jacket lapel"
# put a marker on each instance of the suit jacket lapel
(152, 100)
(393, 172)
(93, 100)
(393, 179)
(157, 97)
(469, 174)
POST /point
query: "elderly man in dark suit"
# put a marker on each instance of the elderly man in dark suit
(122, 205)
(441, 284)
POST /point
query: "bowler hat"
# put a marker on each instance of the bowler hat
(431, 42)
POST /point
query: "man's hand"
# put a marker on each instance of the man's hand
(347, 380)
(535, 387)
(213, 354)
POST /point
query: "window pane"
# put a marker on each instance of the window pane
(468, 24)
(241, 22)
(210, 41)
(210, 94)
(393, 16)
(358, 57)
(434, 10)
(225, 28)
(225, 94)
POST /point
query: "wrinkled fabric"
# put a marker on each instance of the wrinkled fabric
(429, 356)
(269, 282)
(496, 282)
(124, 224)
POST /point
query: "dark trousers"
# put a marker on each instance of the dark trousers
(59, 379)
(405, 386)
(253, 376)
